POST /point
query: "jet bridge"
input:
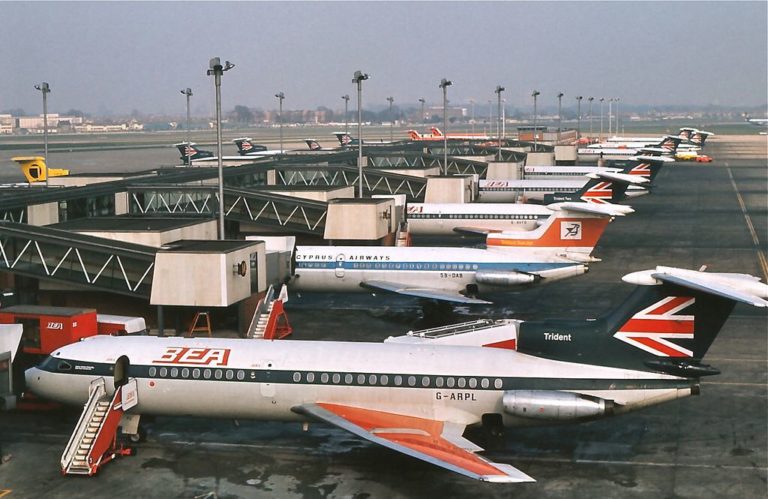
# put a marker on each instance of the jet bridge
(296, 215)
(374, 181)
(406, 161)
(67, 257)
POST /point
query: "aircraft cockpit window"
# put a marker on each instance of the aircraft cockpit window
(64, 366)
(48, 363)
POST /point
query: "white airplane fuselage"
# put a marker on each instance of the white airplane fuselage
(509, 191)
(440, 219)
(260, 379)
(345, 268)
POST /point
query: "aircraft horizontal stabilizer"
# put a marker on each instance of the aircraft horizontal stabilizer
(429, 293)
(742, 288)
(437, 442)
(608, 209)
(475, 231)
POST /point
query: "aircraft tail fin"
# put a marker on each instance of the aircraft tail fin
(670, 143)
(414, 135)
(313, 144)
(698, 137)
(245, 146)
(573, 229)
(35, 169)
(189, 151)
(667, 324)
(436, 132)
(344, 139)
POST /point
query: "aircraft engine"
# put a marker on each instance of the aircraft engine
(501, 278)
(554, 405)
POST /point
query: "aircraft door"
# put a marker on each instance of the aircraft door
(122, 365)
(267, 388)
(339, 265)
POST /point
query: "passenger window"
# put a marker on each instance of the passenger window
(206, 373)
(230, 374)
(425, 381)
(336, 377)
(384, 379)
(439, 382)
(324, 377)
(472, 383)
(152, 372)
(398, 380)
(411, 380)
(485, 383)
(462, 382)
(497, 384)
(296, 377)
(361, 379)
(196, 373)
(218, 374)
(372, 379)
(311, 377)
(185, 373)
(174, 372)
(163, 372)
(450, 382)
(348, 379)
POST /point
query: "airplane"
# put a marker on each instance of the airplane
(190, 152)
(559, 248)
(599, 187)
(689, 137)
(35, 169)
(669, 144)
(437, 134)
(314, 145)
(246, 147)
(417, 394)
(346, 140)
(762, 122)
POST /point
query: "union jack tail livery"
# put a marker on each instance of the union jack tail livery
(345, 139)
(596, 191)
(245, 146)
(313, 145)
(189, 152)
(666, 325)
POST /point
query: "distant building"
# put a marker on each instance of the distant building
(7, 124)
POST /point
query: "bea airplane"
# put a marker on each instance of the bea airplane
(437, 134)
(600, 187)
(667, 147)
(418, 393)
(190, 152)
(246, 147)
(557, 249)
(691, 138)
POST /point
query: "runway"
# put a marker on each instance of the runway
(713, 445)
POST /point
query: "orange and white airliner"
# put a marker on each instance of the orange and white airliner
(437, 134)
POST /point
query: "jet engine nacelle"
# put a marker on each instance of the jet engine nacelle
(501, 278)
(554, 405)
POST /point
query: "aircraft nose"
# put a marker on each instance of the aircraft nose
(32, 379)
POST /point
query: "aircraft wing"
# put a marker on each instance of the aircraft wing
(475, 231)
(437, 442)
(421, 292)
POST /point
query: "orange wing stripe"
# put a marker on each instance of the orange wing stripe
(431, 443)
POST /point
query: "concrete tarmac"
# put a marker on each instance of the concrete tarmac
(713, 445)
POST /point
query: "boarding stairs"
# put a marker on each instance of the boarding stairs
(94, 441)
(270, 322)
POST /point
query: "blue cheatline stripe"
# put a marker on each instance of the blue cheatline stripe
(430, 266)
(359, 379)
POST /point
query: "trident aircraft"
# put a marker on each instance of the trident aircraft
(450, 219)
(599, 187)
(559, 248)
(418, 393)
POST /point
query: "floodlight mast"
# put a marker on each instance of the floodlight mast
(535, 94)
(590, 116)
(578, 118)
(216, 69)
(498, 91)
(45, 89)
(358, 79)
(391, 121)
(444, 84)
(559, 114)
(422, 109)
(188, 92)
(280, 97)
(346, 113)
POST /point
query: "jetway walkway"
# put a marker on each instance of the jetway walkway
(72, 258)
(242, 205)
(456, 166)
(374, 181)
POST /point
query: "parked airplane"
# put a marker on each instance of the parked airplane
(418, 393)
(35, 169)
(437, 134)
(600, 187)
(762, 122)
(315, 146)
(246, 147)
(559, 248)
(450, 219)
(689, 137)
(346, 140)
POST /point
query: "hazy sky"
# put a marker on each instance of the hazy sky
(123, 56)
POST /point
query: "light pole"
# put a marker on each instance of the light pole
(618, 117)
(535, 94)
(280, 97)
(45, 89)
(472, 103)
(216, 69)
(559, 115)
(444, 84)
(188, 92)
(390, 99)
(422, 110)
(601, 118)
(498, 91)
(503, 118)
(610, 115)
(490, 118)
(346, 113)
(578, 118)
(358, 78)
(590, 99)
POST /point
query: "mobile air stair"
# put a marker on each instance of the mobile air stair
(270, 321)
(94, 441)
